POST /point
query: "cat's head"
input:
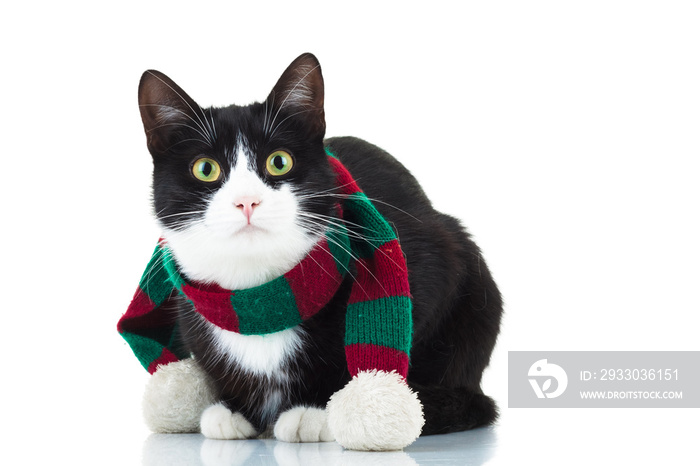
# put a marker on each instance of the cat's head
(240, 191)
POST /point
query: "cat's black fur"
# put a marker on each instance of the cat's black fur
(456, 304)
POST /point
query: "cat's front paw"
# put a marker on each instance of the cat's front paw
(175, 397)
(219, 423)
(376, 411)
(301, 424)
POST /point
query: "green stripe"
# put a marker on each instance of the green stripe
(171, 267)
(154, 281)
(269, 312)
(145, 349)
(339, 247)
(366, 222)
(385, 322)
(329, 153)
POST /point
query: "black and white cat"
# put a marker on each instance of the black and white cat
(247, 227)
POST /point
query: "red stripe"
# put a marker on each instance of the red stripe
(367, 357)
(344, 179)
(382, 275)
(140, 305)
(214, 303)
(141, 308)
(166, 357)
(314, 281)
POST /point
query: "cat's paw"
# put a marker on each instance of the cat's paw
(376, 410)
(301, 424)
(175, 397)
(219, 423)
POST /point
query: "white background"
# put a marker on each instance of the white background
(564, 135)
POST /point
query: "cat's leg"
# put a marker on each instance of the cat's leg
(303, 424)
(220, 423)
(376, 410)
(175, 397)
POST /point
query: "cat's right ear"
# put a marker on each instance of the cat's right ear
(299, 93)
(167, 112)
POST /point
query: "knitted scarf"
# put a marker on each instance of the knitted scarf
(378, 325)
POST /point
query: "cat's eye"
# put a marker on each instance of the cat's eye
(206, 169)
(279, 163)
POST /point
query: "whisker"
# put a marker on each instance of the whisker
(280, 123)
(266, 120)
(343, 223)
(321, 267)
(187, 140)
(197, 130)
(352, 234)
(345, 196)
(213, 125)
(200, 129)
(356, 260)
(317, 194)
(182, 213)
(318, 229)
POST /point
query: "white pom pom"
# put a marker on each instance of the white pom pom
(376, 410)
(175, 397)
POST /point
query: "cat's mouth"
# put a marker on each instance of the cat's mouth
(231, 231)
(249, 230)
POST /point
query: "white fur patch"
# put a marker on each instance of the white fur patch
(273, 400)
(175, 397)
(301, 424)
(376, 410)
(221, 424)
(302, 92)
(167, 114)
(259, 354)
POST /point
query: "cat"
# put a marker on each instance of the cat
(243, 194)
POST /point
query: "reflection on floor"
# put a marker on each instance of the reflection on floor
(472, 447)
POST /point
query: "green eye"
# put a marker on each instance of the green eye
(279, 163)
(206, 169)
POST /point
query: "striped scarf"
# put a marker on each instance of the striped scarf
(378, 325)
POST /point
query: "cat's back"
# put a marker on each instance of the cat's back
(381, 176)
(444, 264)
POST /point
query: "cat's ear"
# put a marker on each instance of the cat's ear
(167, 112)
(299, 93)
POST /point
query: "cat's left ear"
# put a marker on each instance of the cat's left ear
(169, 115)
(299, 94)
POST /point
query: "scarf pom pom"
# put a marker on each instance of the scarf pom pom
(375, 411)
(175, 397)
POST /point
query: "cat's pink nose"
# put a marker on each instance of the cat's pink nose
(247, 204)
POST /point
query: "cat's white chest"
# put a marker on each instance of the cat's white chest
(259, 354)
